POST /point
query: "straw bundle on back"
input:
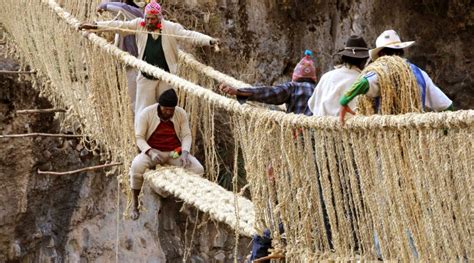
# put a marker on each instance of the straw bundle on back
(399, 91)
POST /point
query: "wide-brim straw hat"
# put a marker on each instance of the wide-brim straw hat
(356, 47)
(388, 39)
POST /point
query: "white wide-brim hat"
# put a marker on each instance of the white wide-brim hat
(390, 39)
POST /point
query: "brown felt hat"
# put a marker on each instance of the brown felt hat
(355, 48)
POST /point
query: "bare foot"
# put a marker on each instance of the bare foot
(134, 214)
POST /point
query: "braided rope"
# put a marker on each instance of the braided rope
(205, 196)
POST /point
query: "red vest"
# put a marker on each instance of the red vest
(164, 138)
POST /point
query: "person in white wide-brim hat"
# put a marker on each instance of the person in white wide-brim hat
(389, 44)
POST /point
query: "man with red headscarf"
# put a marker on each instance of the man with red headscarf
(157, 44)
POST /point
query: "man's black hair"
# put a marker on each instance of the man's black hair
(392, 52)
(358, 62)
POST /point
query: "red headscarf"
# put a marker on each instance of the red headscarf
(153, 8)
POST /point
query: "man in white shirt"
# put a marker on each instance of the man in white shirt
(163, 137)
(333, 84)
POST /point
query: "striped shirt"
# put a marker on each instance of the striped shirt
(294, 95)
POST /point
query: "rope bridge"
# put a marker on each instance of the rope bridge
(395, 187)
(205, 196)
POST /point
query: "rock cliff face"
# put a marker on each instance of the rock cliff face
(35, 208)
(263, 40)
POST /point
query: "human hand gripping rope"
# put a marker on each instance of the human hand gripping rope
(343, 111)
(87, 26)
(228, 89)
(215, 43)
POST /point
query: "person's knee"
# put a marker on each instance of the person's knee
(138, 166)
(197, 168)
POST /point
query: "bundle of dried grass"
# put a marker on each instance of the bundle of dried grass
(399, 91)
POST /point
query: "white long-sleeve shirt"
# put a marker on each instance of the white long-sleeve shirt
(171, 33)
(331, 86)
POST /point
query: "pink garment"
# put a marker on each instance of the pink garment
(153, 8)
(305, 68)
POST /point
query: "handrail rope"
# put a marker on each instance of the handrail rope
(209, 71)
(118, 29)
(433, 120)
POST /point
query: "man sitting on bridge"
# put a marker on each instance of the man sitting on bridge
(161, 130)
(157, 44)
